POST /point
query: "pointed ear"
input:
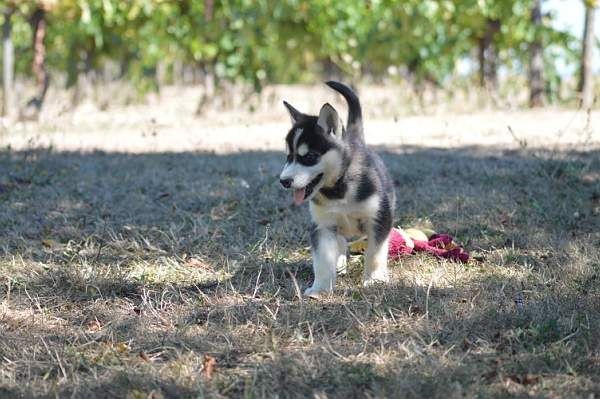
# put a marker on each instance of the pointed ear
(329, 120)
(295, 115)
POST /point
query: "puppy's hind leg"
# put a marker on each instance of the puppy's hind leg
(324, 247)
(342, 257)
(376, 257)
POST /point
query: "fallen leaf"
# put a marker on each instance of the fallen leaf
(122, 347)
(590, 178)
(49, 243)
(94, 325)
(208, 366)
(223, 211)
(196, 263)
(415, 310)
(524, 379)
(466, 344)
(154, 394)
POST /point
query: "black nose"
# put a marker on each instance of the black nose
(287, 183)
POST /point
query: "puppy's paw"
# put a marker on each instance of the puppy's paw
(378, 278)
(316, 293)
(342, 267)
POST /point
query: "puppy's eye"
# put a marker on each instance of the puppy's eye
(311, 156)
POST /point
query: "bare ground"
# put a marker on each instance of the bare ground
(148, 253)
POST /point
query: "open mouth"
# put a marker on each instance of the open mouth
(301, 194)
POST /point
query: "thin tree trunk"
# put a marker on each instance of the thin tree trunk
(209, 92)
(586, 82)
(124, 64)
(72, 67)
(491, 71)
(8, 63)
(488, 56)
(32, 109)
(481, 57)
(38, 22)
(208, 10)
(161, 74)
(177, 72)
(536, 60)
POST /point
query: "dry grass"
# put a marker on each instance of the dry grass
(176, 275)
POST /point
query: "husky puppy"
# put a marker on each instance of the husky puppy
(349, 190)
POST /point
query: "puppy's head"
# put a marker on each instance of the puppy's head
(314, 152)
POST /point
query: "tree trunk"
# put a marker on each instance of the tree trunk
(536, 60)
(72, 67)
(33, 107)
(481, 46)
(488, 56)
(39, 25)
(586, 83)
(177, 72)
(208, 10)
(8, 64)
(209, 92)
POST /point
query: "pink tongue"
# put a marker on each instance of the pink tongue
(298, 196)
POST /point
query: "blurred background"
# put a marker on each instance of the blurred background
(464, 54)
(145, 239)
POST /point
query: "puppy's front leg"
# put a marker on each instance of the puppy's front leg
(324, 246)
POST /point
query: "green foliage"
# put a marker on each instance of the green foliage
(280, 40)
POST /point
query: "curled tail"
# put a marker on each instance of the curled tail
(354, 125)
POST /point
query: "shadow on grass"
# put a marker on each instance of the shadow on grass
(183, 203)
(191, 254)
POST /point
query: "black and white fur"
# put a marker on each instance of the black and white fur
(350, 191)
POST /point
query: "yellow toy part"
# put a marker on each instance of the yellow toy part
(360, 246)
(415, 234)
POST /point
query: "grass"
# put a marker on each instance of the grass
(176, 275)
